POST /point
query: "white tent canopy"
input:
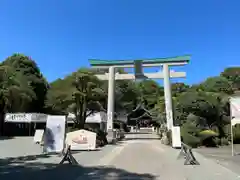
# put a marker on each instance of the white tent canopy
(98, 117)
(25, 117)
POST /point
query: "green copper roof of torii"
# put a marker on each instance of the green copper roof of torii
(176, 59)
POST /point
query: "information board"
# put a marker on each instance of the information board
(54, 136)
(176, 137)
(81, 140)
(38, 136)
(235, 110)
(235, 116)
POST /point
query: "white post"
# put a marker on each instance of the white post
(231, 118)
(168, 96)
(232, 139)
(110, 107)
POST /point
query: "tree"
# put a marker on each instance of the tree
(29, 69)
(87, 92)
(178, 88)
(232, 74)
(79, 93)
(15, 93)
(217, 84)
(149, 90)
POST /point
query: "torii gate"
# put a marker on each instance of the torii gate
(138, 65)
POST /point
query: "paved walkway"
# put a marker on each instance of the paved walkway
(139, 157)
(142, 156)
(223, 156)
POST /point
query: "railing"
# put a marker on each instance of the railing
(186, 152)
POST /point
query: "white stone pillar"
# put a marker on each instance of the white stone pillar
(168, 96)
(111, 135)
(111, 94)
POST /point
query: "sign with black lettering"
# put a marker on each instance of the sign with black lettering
(18, 117)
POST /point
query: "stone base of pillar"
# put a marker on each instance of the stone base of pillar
(111, 137)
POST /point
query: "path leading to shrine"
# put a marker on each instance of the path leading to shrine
(142, 156)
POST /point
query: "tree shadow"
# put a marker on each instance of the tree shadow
(24, 169)
(139, 133)
(6, 137)
(137, 138)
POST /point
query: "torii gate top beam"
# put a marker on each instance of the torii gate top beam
(173, 61)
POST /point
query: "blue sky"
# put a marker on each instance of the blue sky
(61, 35)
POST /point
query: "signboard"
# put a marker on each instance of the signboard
(235, 116)
(54, 136)
(81, 140)
(235, 110)
(25, 117)
(38, 136)
(18, 117)
(176, 137)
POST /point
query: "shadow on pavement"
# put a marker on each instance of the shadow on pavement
(24, 169)
(6, 137)
(133, 138)
(139, 133)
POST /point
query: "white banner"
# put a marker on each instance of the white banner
(235, 110)
(54, 137)
(81, 140)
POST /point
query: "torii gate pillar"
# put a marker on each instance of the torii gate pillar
(166, 74)
(110, 107)
(167, 96)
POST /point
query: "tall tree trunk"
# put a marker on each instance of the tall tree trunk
(83, 113)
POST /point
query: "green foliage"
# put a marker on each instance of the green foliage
(28, 74)
(205, 134)
(189, 139)
(169, 137)
(236, 133)
(232, 74)
(217, 84)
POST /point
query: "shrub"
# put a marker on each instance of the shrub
(224, 141)
(101, 137)
(191, 140)
(169, 137)
(236, 134)
(208, 138)
(217, 141)
(188, 135)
